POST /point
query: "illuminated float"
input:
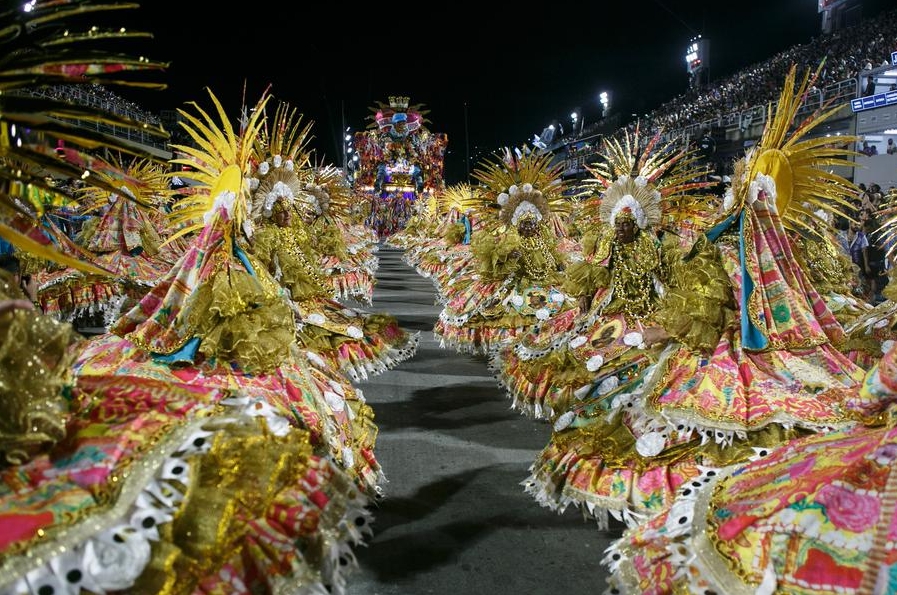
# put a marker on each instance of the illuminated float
(400, 162)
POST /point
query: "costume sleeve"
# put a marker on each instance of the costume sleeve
(263, 245)
(329, 241)
(699, 303)
(587, 276)
(494, 253)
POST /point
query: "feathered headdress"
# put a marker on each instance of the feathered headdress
(140, 180)
(284, 140)
(278, 182)
(219, 164)
(793, 169)
(653, 184)
(631, 197)
(281, 154)
(519, 185)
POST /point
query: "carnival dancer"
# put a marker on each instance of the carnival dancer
(356, 343)
(326, 212)
(122, 237)
(446, 254)
(111, 489)
(219, 318)
(619, 282)
(417, 227)
(515, 283)
(773, 374)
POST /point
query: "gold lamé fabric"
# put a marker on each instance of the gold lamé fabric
(36, 353)
(286, 253)
(699, 301)
(239, 319)
(454, 234)
(328, 240)
(613, 442)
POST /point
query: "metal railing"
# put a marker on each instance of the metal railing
(80, 96)
(840, 92)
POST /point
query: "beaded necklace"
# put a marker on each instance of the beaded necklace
(633, 266)
(538, 261)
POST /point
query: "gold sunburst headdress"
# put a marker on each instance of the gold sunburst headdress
(141, 181)
(793, 169)
(143, 188)
(521, 184)
(654, 185)
(460, 197)
(219, 164)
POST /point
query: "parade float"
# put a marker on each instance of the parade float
(400, 163)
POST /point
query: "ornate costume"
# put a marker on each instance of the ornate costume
(515, 282)
(774, 372)
(123, 239)
(814, 516)
(254, 450)
(619, 281)
(356, 343)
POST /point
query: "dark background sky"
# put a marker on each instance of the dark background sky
(515, 69)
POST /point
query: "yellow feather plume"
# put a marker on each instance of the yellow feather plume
(220, 164)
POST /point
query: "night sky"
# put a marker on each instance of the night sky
(514, 69)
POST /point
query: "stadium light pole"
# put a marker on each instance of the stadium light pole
(347, 149)
(604, 98)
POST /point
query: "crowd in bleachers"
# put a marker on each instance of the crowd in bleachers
(869, 251)
(98, 96)
(848, 52)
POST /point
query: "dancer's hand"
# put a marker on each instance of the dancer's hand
(654, 335)
(10, 305)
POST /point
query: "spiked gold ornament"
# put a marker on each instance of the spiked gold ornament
(219, 164)
(139, 180)
(458, 196)
(799, 165)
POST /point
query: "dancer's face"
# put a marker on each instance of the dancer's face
(624, 231)
(528, 227)
(282, 217)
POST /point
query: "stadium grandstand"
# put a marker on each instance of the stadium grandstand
(732, 110)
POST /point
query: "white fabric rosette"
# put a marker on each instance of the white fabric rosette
(594, 363)
(577, 342)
